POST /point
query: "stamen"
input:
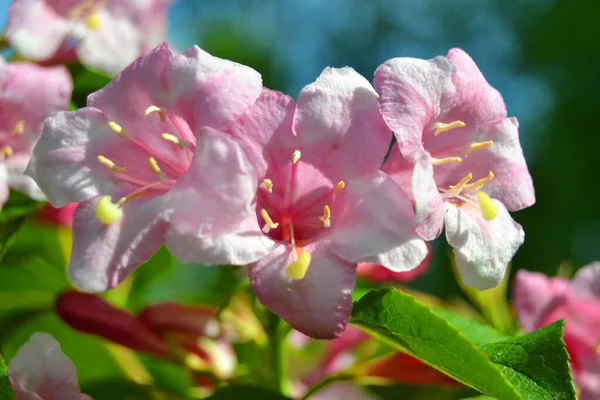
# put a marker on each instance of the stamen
(6, 152)
(173, 139)
(340, 185)
(441, 127)
(296, 156)
(326, 217)
(266, 185)
(18, 129)
(297, 269)
(459, 186)
(488, 208)
(477, 146)
(442, 161)
(107, 211)
(93, 21)
(477, 184)
(154, 166)
(269, 222)
(155, 109)
(116, 128)
(105, 161)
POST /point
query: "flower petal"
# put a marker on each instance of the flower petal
(40, 368)
(103, 255)
(339, 126)
(586, 283)
(15, 167)
(318, 305)
(62, 163)
(4, 189)
(34, 29)
(411, 92)
(375, 223)
(429, 206)
(482, 249)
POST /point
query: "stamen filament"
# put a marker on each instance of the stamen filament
(266, 185)
(105, 161)
(173, 139)
(459, 186)
(269, 224)
(6, 151)
(326, 217)
(340, 185)
(442, 161)
(154, 166)
(441, 127)
(136, 194)
(18, 129)
(116, 128)
(155, 109)
(296, 156)
(477, 184)
(477, 146)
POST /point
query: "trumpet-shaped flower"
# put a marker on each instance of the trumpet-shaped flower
(28, 94)
(40, 371)
(106, 35)
(322, 204)
(540, 300)
(126, 155)
(459, 158)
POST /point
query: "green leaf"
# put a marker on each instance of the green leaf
(6, 392)
(246, 392)
(12, 216)
(531, 366)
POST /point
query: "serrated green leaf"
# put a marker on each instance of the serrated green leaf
(468, 351)
(246, 392)
(6, 392)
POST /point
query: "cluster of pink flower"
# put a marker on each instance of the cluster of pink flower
(192, 151)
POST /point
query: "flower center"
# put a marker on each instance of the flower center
(297, 208)
(6, 150)
(160, 174)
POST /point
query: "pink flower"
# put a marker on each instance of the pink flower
(458, 157)
(540, 300)
(28, 94)
(62, 216)
(40, 371)
(106, 35)
(135, 143)
(378, 273)
(322, 205)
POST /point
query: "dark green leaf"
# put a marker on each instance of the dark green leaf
(6, 392)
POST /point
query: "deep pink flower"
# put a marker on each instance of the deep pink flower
(125, 157)
(40, 371)
(458, 157)
(540, 300)
(106, 34)
(378, 273)
(323, 204)
(62, 216)
(28, 94)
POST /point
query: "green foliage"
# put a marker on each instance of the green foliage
(13, 215)
(6, 392)
(246, 392)
(475, 355)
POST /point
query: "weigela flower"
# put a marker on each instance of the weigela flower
(124, 155)
(459, 158)
(40, 371)
(539, 300)
(322, 205)
(378, 273)
(105, 34)
(28, 94)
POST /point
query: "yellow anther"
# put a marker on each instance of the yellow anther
(107, 211)
(326, 217)
(477, 184)
(6, 151)
(154, 166)
(269, 222)
(93, 21)
(459, 186)
(105, 161)
(340, 185)
(267, 185)
(447, 160)
(296, 156)
(173, 139)
(116, 128)
(477, 146)
(441, 127)
(297, 269)
(488, 208)
(18, 129)
(155, 109)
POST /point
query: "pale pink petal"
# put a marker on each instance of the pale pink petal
(15, 167)
(343, 391)
(40, 368)
(411, 92)
(379, 273)
(64, 163)
(429, 206)
(339, 126)
(375, 222)
(318, 305)
(587, 380)
(34, 29)
(535, 296)
(482, 249)
(110, 47)
(586, 283)
(105, 254)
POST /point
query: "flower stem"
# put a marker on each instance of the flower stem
(276, 331)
